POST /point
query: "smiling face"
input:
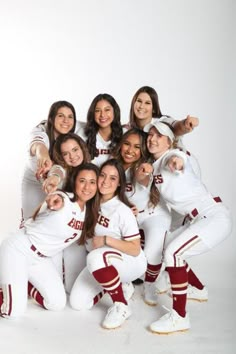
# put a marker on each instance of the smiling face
(108, 182)
(64, 121)
(157, 143)
(130, 150)
(104, 114)
(72, 153)
(85, 186)
(143, 108)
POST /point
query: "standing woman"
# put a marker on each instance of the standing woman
(61, 120)
(27, 255)
(152, 214)
(115, 254)
(209, 221)
(103, 129)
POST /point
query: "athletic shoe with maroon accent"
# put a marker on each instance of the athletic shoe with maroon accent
(116, 315)
(171, 322)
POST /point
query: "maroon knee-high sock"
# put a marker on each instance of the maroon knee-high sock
(152, 272)
(35, 294)
(109, 279)
(193, 279)
(179, 284)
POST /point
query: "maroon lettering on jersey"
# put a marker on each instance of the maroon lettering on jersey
(103, 221)
(158, 179)
(104, 151)
(128, 187)
(76, 224)
(71, 238)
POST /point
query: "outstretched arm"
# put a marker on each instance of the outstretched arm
(186, 125)
(44, 162)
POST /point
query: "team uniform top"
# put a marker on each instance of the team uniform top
(116, 220)
(139, 196)
(52, 231)
(183, 191)
(103, 146)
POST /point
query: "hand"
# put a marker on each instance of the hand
(144, 170)
(175, 163)
(190, 123)
(50, 184)
(43, 167)
(54, 201)
(97, 241)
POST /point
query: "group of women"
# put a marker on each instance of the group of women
(104, 205)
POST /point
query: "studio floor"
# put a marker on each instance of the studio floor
(70, 332)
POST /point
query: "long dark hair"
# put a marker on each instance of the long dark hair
(120, 192)
(92, 205)
(145, 155)
(154, 195)
(91, 127)
(51, 119)
(155, 104)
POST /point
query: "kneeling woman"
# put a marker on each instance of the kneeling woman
(115, 255)
(27, 255)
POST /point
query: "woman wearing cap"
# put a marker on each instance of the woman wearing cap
(209, 221)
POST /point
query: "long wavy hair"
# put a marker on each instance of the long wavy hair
(145, 155)
(154, 195)
(120, 191)
(92, 205)
(156, 113)
(51, 120)
(91, 127)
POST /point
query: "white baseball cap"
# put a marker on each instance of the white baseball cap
(162, 128)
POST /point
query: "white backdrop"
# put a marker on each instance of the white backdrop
(74, 49)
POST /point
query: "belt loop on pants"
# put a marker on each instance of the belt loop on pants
(34, 249)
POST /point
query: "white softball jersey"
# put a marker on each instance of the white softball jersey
(103, 146)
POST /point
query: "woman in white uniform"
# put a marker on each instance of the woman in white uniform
(209, 221)
(61, 120)
(152, 214)
(27, 255)
(115, 255)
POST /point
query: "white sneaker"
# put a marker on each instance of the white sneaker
(196, 294)
(128, 290)
(163, 282)
(116, 315)
(150, 294)
(170, 323)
